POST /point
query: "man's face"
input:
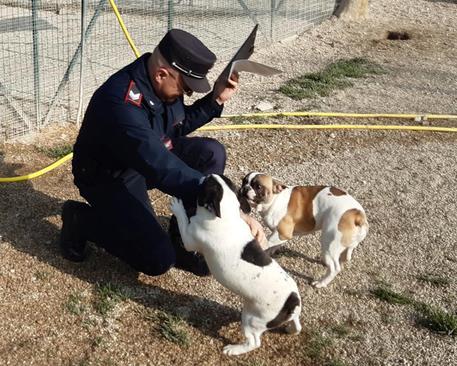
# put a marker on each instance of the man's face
(170, 85)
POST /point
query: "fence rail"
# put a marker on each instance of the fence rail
(41, 45)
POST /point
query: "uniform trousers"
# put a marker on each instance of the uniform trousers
(122, 219)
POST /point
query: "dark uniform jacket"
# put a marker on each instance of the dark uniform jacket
(128, 131)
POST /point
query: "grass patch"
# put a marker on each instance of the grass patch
(387, 295)
(108, 295)
(341, 330)
(315, 351)
(436, 319)
(74, 304)
(334, 76)
(41, 275)
(97, 341)
(430, 317)
(56, 152)
(433, 280)
(316, 346)
(171, 328)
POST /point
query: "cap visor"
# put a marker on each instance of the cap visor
(197, 85)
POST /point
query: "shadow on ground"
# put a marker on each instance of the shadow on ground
(24, 224)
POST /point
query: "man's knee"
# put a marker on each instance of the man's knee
(155, 261)
(151, 253)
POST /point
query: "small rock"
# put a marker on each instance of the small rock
(264, 106)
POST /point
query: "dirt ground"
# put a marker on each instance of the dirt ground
(101, 312)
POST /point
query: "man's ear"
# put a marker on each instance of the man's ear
(278, 186)
(160, 74)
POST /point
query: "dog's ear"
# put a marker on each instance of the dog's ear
(210, 195)
(244, 204)
(245, 179)
(278, 186)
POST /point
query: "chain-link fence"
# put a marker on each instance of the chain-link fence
(41, 43)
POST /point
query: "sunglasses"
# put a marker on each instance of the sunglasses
(185, 89)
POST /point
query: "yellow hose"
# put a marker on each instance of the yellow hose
(419, 117)
(272, 114)
(331, 127)
(257, 127)
(39, 172)
(124, 28)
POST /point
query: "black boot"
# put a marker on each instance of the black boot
(188, 261)
(72, 236)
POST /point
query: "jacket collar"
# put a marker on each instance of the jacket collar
(139, 73)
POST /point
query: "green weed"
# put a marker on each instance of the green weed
(390, 296)
(74, 304)
(170, 327)
(436, 319)
(430, 317)
(434, 280)
(334, 76)
(41, 275)
(56, 152)
(108, 295)
(316, 346)
(341, 330)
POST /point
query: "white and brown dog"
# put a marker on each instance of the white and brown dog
(300, 210)
(237, 261)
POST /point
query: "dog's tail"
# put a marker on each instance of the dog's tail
(360, 221)
(354, 226)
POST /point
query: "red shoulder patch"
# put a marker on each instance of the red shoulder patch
(133, 95)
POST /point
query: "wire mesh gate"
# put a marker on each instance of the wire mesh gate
(41, 42)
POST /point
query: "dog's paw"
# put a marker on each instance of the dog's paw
(235, 349)
(176, 205)
(319, 284)
(293, 327)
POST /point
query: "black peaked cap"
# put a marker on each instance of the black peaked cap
(187, 54)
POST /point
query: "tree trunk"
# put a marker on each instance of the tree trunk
(352, 9)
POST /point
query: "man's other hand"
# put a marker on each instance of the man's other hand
(256, 230)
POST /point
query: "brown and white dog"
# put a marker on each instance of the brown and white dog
(300, 210)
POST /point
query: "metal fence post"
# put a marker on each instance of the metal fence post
(36, 62)
(170, 14)
(81, 65)
(72, 63)
(272, 18)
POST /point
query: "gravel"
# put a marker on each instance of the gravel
(405, 180)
